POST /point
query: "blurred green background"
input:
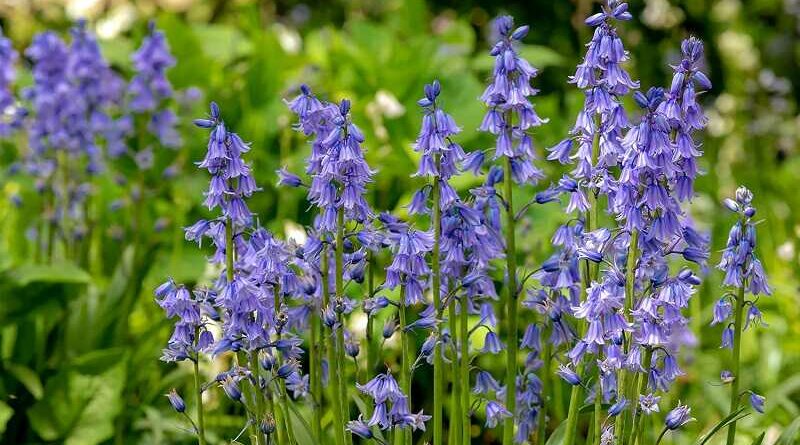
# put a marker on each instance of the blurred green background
(79, 349)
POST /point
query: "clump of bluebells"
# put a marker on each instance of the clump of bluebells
(605, 313)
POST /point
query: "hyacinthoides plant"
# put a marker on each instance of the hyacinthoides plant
(744, 275)
(509, 117)
(249, 298)
(339, 175)
(71, 84)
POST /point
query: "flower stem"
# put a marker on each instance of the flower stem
(372, 351)
(547, 384)
(464, 377)
(457, 416)
(330, 346)
(340, 356)
(198, 388)
(661, 436)
(630, 282)
(572, 415)
(641, 380)
(438, 364)
(405, 362)
(574, 402)
(737, 347)
(598, 413)
(315, 364)
(511, 307)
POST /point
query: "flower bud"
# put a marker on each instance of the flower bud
(176, 401)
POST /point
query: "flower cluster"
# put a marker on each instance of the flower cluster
(390, 408)
(149, 88)
(11, 114)
(594, 142)
(511, 114)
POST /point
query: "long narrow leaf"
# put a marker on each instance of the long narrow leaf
(732, 417)
(789, 434)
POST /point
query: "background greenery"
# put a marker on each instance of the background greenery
(79, 348)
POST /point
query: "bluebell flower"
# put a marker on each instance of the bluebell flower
(757, 402)
(485, 383)
(619, 406)
(492, 343)
(176, 401)
(391, 408)
(359, 428)
(568, 375)
(678, 417)
(649, 403)
(495, 413)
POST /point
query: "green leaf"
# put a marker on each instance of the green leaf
(66, 273)
(43, 287)
(557, 438)
(5, 415)
(789, 435)
(732, 417)
(222, 43)
(302, 430)
(27, 377)
(540, 56)
(758, 440)
(98, 362)
(79, 409)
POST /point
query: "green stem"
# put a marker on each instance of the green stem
(661, 436)
(572, 415)
(284, 399)
(630, 282)
(574, 401)
(464, 377)
(737, 347)
(641, 380)
(457, 416)
(330, 346)
(511, 307)
(405, 362)
(541, 434)
(315, 359)
(438, 364)
(340, 355)
(598, 413)
(372, 350)
(198, 388)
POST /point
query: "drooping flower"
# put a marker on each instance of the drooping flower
(678, 417)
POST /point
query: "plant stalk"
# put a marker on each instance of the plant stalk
(457, 416)
(340, 355)
(405, 362)
(641, 380)
(511, 306)
(737, 348)
(198, 388)
(330, 346)
(438, 363)
(464, 376)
